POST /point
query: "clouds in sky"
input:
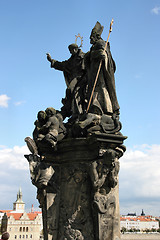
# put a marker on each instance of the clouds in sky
(19, 103)
(14, 173)
(4, 100)
(13, 158)
(155, 10)
(139, 179)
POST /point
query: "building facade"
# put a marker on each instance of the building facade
(139, 222)
(22, 225)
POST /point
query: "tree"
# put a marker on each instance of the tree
(123, 230)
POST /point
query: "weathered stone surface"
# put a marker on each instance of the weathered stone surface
(75, 164)
(78, 188)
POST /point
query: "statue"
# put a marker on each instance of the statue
(104, 97)
(75, 164)
(49, 127)
(74, 73)
(38, 134)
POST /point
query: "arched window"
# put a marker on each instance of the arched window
(26, 236)
(15, 236)
(19, 236)
(31, 236)
(23, 229)
(20, 229)
(26, 229)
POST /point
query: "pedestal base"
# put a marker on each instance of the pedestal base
(78, 188)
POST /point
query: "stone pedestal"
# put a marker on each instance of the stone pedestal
(78, 188)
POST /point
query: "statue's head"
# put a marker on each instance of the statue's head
(41, 115)
(50, 111)
(96, 33)
(73, 48)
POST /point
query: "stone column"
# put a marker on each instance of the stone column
(78, 188)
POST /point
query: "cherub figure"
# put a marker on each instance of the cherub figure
(51, 126)
(38, 133)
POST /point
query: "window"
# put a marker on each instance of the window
(20, 229)
(19, 236)
(15, 236)
(23, 229)
(31, 236)
(26, 236)
(23, 236)
(26, 229)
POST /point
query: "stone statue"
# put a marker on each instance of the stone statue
(74, 73)
(104, 97)
(49, 128)
(93, 123)
(75, 164)
(38, 134)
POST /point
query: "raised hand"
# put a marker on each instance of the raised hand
(49, 57)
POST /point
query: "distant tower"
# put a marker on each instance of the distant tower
(142, 214)
(19, 205)
(32, 209)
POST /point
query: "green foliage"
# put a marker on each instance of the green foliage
(151, 230)
(147, 230)
(123, 230)
(131, 230)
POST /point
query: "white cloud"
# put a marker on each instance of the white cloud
(19, 103)
(139, 177)
(2, 146)
(14, 158)
(156, 10)
(14, 173)
(4, 100)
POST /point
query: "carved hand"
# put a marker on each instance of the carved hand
(101, 54)
(49, 57)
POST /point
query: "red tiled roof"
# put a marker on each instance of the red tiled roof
(32, 216)
(138, 218)
(17, 216)
(5, 211)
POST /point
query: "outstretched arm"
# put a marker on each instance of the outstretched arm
(49, 57)
(56, 64)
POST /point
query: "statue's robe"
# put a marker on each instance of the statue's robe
(104, 99)
(74, 73)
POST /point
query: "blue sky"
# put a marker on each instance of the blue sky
(30, 29)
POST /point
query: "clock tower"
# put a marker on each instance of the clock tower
(19, 205)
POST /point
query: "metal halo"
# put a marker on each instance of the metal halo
(79, 36)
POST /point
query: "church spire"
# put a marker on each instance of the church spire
(142, 214)
(19, 205)
(19, 195)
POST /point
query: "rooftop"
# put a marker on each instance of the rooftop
(18, 216)
(138, 218)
